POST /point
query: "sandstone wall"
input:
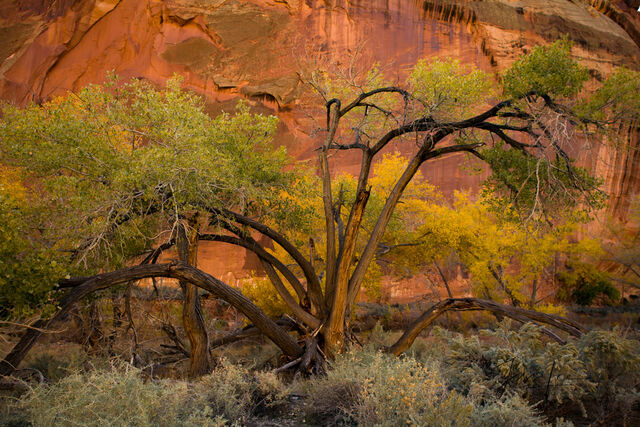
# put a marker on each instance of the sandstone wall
(227, 49)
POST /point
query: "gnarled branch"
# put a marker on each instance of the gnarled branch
(463, 304)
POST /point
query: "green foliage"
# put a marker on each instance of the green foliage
(516, 362)
(447, 89)
(612, 362)
(110, 170)
(28, 270)
(618, 99)
(117, 164)
(541, 190)
(584, 284)
(546, 70)
(595, 373)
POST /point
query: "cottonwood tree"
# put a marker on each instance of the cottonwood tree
(124, 170)
(527, 129)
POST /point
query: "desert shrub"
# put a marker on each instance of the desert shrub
(597, 373)
(509, 411)
(332, 399)
(117, 397)
(371, 388)
(583, 284)
(122, 397)
(613, 366)
(379, 338)
(516, 362)
(55, 365)
(238, 393)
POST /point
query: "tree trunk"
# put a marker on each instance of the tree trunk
(334, 333)
(192, 318)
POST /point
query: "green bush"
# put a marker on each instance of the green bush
(509, 411)
(597, 373)
(238, 393)
(583, 284)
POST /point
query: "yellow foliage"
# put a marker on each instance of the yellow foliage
(263, 294)
(11, 182)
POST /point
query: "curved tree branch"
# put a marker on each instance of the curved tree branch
(250, 244)
(268, 262)
(173, 270)
(313, 282)
(462, 304)
(358, 101)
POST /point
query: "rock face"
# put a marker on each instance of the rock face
(227, 49)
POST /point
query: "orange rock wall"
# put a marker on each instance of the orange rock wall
(227, 49)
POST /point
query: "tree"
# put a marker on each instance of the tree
(122, 169)
(528, 139)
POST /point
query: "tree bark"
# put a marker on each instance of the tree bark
(313, 282)
(192, 317)
(333, 117)
(334, 334)
(179, 271)
(461, 304)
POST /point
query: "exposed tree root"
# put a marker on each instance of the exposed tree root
(464, 304)
(311, 362)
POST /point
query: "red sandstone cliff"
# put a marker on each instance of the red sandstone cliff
(245, 48)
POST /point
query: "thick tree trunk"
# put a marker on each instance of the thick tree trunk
(334, 333)
(192, 318)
